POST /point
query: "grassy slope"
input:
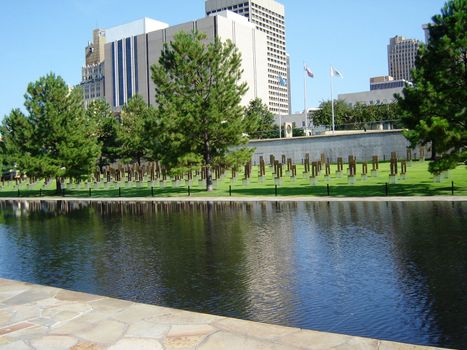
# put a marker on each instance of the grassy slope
(418, 183)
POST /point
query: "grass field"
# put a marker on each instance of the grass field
(418, 182)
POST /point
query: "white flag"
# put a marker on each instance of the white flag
(336, 73)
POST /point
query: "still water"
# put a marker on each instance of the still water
(394, 271)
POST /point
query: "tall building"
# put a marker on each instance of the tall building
(402, 53)
(92, 74)
(268, 16)
(132, 48)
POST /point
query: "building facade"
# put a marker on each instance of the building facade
(269, 18)
(387, 82)
(402, 54)
(92, 74)
(129, 57)
(373, 97)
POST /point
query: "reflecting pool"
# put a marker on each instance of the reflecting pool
(395, 270)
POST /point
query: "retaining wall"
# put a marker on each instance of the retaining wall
(362, 145)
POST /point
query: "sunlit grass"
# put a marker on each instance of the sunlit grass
(418, 182)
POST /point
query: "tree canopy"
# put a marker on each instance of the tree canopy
(106, 128)
(354, 116)
(434, 108)
(259, 120)
(55, 138)
(132, 131)
(198, 91)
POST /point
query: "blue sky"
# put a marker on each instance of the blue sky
(50, 35)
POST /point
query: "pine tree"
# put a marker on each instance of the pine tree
(259, 120)
(55, 139)
(435, 109)
(134, 117)
(100, 113)
(198, 91)
(342, 111)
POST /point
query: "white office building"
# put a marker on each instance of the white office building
(269, 17)
(133, 48)
(382, 91)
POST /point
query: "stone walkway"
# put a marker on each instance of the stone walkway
(34, 317)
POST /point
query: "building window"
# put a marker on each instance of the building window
(129, 85)
(121, 100)
(136, 64)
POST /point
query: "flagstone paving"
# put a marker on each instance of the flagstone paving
(34, 317)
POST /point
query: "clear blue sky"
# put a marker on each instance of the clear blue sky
(50, 35)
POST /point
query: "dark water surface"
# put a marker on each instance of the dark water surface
(394, 271)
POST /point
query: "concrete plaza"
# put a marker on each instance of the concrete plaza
(34, 317)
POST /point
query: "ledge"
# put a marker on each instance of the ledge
(40, 317)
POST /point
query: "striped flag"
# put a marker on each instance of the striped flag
(309, 72)
(336, 73)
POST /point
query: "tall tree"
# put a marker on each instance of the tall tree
(100, 112)
(434, 108)
(198, 90)
(323, 115)
(55, 138)
(134, 117)
(259, 120)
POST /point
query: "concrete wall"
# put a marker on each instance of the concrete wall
(363, 145)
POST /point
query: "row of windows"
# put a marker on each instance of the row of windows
(280, 62)
(273, 25)
(279, 57)
(278, 46)
(388, 85)
(279, 102)
(273, 39)
(263, 18)
(240, 9)
(281, 67)
(268, 30)
(280, 17)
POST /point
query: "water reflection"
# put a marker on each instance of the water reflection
(386, 270)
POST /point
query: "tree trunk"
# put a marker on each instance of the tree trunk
(208, 179)
(207, 161)
(58, 185)
(433, 150)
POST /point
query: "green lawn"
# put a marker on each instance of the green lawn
(418, 182)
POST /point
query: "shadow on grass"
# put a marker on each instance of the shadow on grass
(351, 191)
(379, 190)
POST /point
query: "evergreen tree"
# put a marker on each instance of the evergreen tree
(55, 139)
(198, 91)
(342, 112)
(259, 120)
(100, 113)
(132, 133)
(434, 108)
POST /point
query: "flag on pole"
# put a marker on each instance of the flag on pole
(336, 73)
(282, 81)
(309, 72)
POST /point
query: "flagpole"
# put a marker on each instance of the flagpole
(332, 100)
(304, 93)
